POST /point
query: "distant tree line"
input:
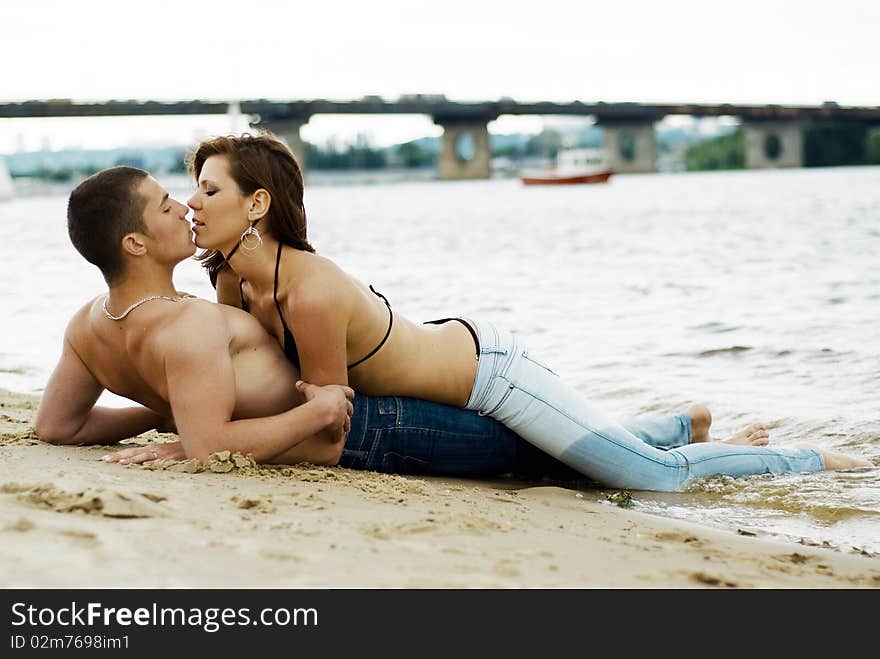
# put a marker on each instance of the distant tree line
(65, 173)
(412, 155)
(354, 156)
(829, 143)
(722, 152)
(826, 144)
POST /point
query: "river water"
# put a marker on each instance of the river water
(756, 292)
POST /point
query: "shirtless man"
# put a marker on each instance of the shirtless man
(210, 368)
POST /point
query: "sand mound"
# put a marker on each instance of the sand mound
(90, 501)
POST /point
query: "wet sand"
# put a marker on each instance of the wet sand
(68, 519)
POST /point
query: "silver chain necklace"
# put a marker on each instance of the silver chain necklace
(134, 306)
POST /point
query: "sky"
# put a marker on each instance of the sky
(751, 51)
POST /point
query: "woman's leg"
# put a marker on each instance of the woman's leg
(661, 432)
(530, 399)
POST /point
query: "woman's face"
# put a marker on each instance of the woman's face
(220, 211)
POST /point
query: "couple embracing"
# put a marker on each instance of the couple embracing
(300, 362)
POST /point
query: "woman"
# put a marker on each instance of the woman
(250, 218)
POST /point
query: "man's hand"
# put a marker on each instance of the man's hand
(336, 400)
(148, 454)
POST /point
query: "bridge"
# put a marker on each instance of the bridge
(774, 133)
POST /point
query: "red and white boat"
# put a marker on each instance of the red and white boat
(572, 166)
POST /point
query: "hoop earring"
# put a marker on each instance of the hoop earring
(251, 238)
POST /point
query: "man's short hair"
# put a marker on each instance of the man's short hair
(100, 211)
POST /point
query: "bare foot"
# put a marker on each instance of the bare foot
(835, 461)
(701, 419)
(753, 435)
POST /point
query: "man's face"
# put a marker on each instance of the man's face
(169, 237)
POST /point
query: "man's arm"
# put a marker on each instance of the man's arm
(201, 391)
(316, 450)
(67, 412)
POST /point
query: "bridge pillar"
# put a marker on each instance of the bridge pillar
(774, 144)
(288, 130)
(464, 150)
(630, 146)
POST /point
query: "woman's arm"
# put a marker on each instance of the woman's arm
(319, 321)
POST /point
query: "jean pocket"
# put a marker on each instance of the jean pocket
(527, 356)
(504, 394)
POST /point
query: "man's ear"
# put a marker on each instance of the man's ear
(134, 244)
(259, 205)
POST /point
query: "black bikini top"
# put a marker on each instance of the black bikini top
(289, 343)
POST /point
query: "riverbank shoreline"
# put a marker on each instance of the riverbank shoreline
(69, 519)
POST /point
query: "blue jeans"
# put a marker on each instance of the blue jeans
(410, 436)
(529, 398)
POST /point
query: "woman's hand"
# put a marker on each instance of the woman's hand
(147, 455)
(335, 400)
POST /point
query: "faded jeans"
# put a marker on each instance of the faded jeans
(529, 398)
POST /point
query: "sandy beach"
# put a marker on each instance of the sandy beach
(68, 519)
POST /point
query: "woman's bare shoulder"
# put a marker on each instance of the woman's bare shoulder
(319, 285)
(319, 264)
(319, 273)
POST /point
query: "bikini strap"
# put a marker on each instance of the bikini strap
(467, 326)
(387, 333)
(384, 299)
(275, 289)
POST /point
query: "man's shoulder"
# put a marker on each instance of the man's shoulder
(190, 319)
(196, 333)
(79, 323)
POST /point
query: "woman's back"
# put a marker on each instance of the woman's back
(336, 322)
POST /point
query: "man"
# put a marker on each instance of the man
(214, 373)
